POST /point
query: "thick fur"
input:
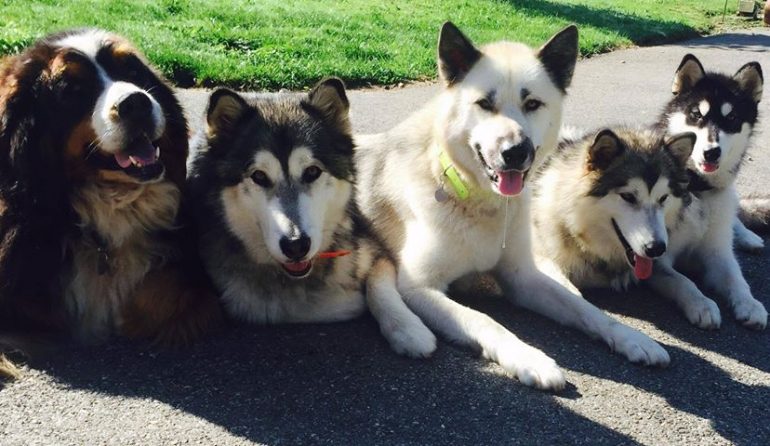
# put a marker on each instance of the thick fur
(78, 232)
(504, 98)
(579, 200)
(271, 173)
(722, 111)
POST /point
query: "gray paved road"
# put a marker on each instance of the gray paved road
(339, 384)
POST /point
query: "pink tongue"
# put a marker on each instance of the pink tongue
(296, 267)
(122, 160)
(642, 267)
(710, 167)
(142, 150)
(511, 182)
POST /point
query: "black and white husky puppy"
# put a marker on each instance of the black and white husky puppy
(270, 187)
(722, 111)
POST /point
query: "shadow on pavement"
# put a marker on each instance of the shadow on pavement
(732, 41)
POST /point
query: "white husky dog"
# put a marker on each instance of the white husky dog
(445, 190)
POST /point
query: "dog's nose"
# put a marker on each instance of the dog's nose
(295, 248)
(135, 107)
(654, 249)
(711, 155)
(516, 157)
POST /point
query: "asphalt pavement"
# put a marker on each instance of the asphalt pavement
(340, 383)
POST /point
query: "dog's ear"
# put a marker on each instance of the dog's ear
(225, 109)
(688, 74)
(559, 56)
(680, 146)
(749, 78)
(328, 97)
(456, 54)
(36, 213)
(604, 150)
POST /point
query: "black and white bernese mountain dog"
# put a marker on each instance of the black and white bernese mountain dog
(93, 146)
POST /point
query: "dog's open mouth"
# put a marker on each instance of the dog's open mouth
(140, 159)
(642, 265)
(709, 167)
(297, 270)
(507, 182)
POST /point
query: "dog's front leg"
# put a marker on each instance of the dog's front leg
(699, 309)
(422, 278)
(745, 239)
(404, 331)
(527, 286)
(723, 274)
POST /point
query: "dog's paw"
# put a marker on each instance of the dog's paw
(638, 347)
(749, 242)
(533, 368)
(751, 313)
(704, 313)
(411, 338)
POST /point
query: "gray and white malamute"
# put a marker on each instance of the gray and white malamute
(446, 190)
(605, 203)
(270, 185)
(722, 111)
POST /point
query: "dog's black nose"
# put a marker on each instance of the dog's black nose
(135, 107)
(516, 157)
(295, 248)
(711, 155)
(654, 249)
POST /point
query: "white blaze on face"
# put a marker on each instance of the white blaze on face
(642, 223)
(105, 120)
(506, 69)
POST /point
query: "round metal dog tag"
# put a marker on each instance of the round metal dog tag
(441, 195)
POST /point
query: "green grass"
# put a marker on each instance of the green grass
(270, 44)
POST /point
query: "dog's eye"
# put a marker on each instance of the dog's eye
(663, 199)
(311, 174)
(261, 179)
(532, 104)
(730, 116)
(628, 197)
(485, 104)
(695, 114)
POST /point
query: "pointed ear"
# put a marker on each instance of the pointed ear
(688, 74)
(605, 149)
(329, 98)
(225, 108)
(456, 54)
(680, 146)
(559, 56)
(749, 77)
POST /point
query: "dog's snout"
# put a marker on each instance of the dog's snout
(711, 155)
(517, 156)
(654, 249)
(135, 107)
(295, 248)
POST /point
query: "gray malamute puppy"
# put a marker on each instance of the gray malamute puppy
(270, 186)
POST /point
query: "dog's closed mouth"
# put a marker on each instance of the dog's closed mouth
(297, 270)
(642, 265)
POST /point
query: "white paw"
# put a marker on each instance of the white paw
(751, 313)
(703, 313)
(532, 367)
(748, 241)
(638, 347)
(411, 338)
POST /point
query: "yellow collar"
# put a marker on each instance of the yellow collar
(453, 176)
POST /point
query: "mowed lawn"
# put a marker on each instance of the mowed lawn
(271, 44)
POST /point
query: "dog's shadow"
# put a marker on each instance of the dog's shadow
(332, 384)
